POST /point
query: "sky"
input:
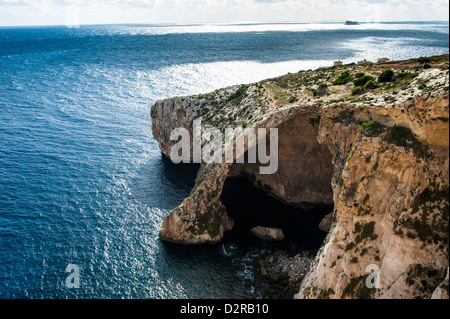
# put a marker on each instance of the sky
(79, 12)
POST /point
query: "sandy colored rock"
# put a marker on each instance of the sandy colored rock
(268, 233)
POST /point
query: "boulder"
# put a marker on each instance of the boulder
(268, 233)
(325, 224)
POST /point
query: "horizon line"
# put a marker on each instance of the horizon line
(165, 24)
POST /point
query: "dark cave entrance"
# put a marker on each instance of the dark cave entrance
(250, 206)
(305, 169)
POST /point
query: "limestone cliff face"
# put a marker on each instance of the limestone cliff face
(201, 218)
(381, 157)
(170, 114)
(391, 206)
(305, 166)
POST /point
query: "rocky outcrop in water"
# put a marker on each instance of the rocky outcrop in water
(268, 233)
(279, 273)
(378, 152)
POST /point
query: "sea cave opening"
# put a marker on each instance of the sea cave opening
(250, 206)
(295, 198)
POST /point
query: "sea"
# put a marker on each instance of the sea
(83, 185)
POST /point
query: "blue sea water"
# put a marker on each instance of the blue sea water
(81, 179)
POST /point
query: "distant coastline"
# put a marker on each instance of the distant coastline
(216, 24)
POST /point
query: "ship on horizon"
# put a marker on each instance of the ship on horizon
(351, 22)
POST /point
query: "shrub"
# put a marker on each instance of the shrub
(386, 76)
(423, 59)
(322, 89)
(357, 90)
(407, 75)
(427, 66)
(363, 80)
(343, 78)
(292, 99)
(370, 129)
(359, 75)
(370, 85)
(237, 97)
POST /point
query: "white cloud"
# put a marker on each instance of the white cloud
(19, 12)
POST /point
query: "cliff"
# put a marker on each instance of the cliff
(372, 142)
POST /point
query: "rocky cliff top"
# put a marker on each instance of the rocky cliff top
(251, 104)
